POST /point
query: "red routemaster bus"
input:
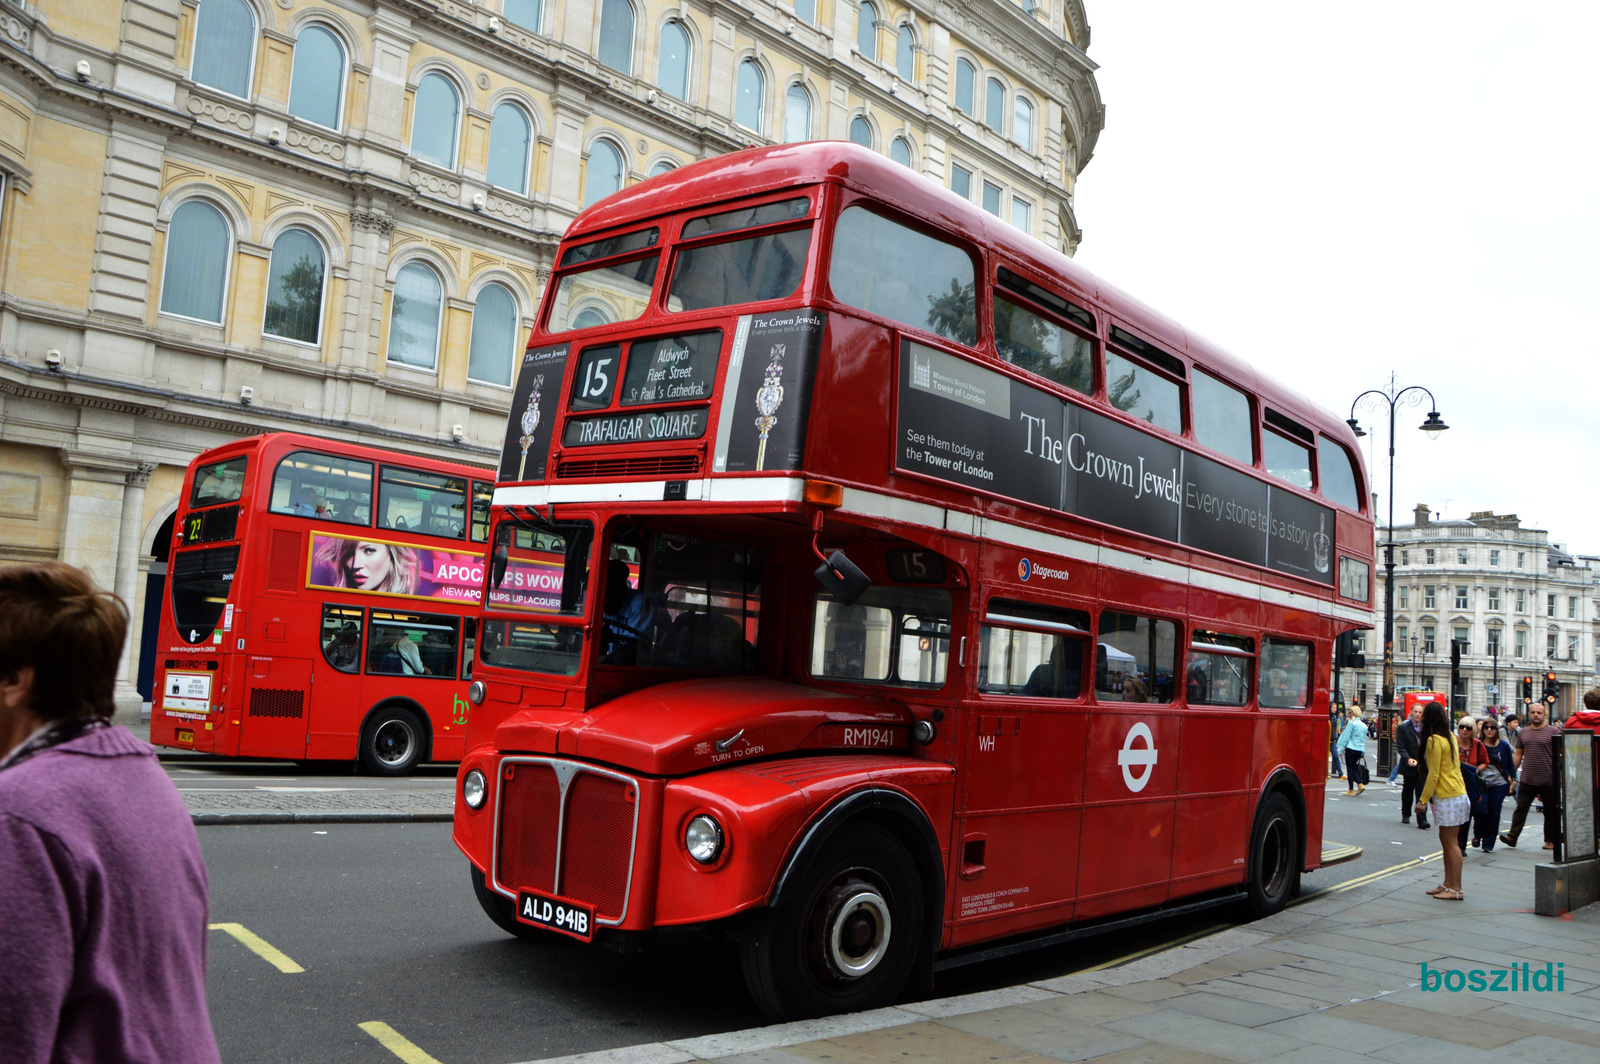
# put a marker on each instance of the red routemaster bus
(322, 604)
(1067, 653)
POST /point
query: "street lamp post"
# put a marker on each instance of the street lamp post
(1393, 397)
(1413, 661)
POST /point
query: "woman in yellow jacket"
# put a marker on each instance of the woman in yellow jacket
(1448, 791)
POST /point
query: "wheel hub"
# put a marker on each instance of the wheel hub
(858, 930)
(393, 742)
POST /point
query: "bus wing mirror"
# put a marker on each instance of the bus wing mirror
(497, 566)
(842, 579)
(1345, 655)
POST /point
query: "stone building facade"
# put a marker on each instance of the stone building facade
(223, 217)
(1488, 582)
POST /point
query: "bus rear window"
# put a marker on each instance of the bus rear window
(886, 268)
(218, 482)
(740, 271)
(201, 580)
(602, 295)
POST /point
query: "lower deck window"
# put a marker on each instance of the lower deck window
(341, 637)
(889, 635)
(532, 647)
(1032, 650)
(412, 644)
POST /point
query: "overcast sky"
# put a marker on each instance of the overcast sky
(1337, 192)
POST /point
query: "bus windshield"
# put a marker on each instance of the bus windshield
(695, 604)
(201, 580)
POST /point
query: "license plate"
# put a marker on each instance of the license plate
(556, 914)
(186, 735)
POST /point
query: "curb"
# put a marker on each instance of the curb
(216, 819)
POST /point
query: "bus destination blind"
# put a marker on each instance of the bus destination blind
(962, 423)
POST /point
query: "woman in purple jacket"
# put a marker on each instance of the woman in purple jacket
(103, 892)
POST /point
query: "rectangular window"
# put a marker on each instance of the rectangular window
(482, 496)
(1021, 210)
(747, 218)
(1285, 674)
(1494, 600)
(961, 181)
(1494, 557)
(1287, 460)
(1219, 669)
(1135, 659)
(1336, 474)
(594, 250)
(1405, 597)
(1428, 597)
(1462, 634)
(1461, 556)
(894, 635)
(886, 268)
(413, 501)
(412, 644)
(308, 484)
(1135, 389)
(1400, 633)
(1461, 597)
(1520, 645)
(543, 570)
(1427, 639)
(469, 645)
(1550, 644)
(1520, 557)
(341, 637)
(602, 295)
(1572, 648)
(1428, 556)
(1033, 342)
(751, 270)
(1522, 600)
(531, 646)
(1405, 557)
(991, 198)
(1572, 607)
(1549, 605)
(1494, 642)
(218, 482)
(1031, 650)
(1222, 418)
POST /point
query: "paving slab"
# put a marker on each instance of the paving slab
(1546, 1050)
(1046, 1035)
(1457, 1030)
(1230, 1041)
(1229, 1009)
(1324, 1029)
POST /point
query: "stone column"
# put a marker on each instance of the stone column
(129, 701)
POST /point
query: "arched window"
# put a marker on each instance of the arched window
(1022, 123)
(672, 68)
(796, 115)
(616, 35)
(806, 11)
(861, 131)
(965, 76)
(751, 95)
(196, 273)
(662, 167)
(529, 13)
(316, 87)
(900, 151)
(434, 121)
(994, 111)
(905, 44)
(867, 31)
(294, 287)
(510, 135)
(414, 317)
(605, 172)
(588, 318)
(494, 336)
(224, 46)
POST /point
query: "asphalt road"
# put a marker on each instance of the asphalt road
(383, 920)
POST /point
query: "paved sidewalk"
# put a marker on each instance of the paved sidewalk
(1333, 979)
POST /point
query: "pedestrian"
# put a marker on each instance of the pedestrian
(1336, 726)
(1447, 792)
(1494, 780)
(1413, 768)
(1395, 721)
(103, 895)
(1474, 755)
(1536, 778)
(1510, 726)
(1353, 744)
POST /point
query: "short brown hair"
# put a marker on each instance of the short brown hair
(1591, 699)
(55, 620)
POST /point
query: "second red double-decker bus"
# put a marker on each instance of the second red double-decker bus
(1067, 651)
(321, 605)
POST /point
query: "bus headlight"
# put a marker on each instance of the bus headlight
(476, 692)
(473, 789)
(703, 839)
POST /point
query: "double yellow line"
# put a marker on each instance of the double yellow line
(1370, 877)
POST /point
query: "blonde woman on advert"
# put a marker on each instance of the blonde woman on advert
(368, 565)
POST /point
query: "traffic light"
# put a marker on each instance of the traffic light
(1527, 688)
(1455, 654)
(1552, 690)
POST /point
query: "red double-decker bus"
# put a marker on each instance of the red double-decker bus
(321, 604)
(1067, 651)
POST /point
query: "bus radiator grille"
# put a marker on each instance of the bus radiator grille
(680, 465)
(530, 810)
(266, 702)
(598, 843)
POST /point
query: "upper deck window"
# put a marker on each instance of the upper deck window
(308, 484)
(1033, 342)
(413, 501)
(637, 240)
(603, 295)
(1338, 474)
(1287, 460)
(747, 218)
(1222, 419)
(756, 268)
(886, 268)
(1138, 390)
(219, 482)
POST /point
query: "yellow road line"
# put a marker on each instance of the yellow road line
(1158, 948)
(260, 947)
(1370, 877)
(396, 1043)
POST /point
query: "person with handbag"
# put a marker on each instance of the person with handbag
(1413, 769)
(1474, 757)
(1353, 744)
(1494, 780)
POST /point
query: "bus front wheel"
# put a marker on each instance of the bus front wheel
(499, 908)
(391, 742)
(848, 938)
(1274, 856)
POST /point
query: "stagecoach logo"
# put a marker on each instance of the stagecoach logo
(1142, 758)
(1027, 568)
(1024, 569)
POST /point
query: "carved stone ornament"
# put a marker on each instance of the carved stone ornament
(140, 476)
(220, 113)
(377, 221)
(483, 81)
(643, 146)
(314, 144)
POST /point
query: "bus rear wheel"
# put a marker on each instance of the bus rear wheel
(848, 938)
(1274, 856)
(391, 742)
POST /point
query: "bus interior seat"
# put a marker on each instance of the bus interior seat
(707, 640)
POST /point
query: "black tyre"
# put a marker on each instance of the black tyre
(499, 908)
(1274, 856)
(392, 742)
(848, 938)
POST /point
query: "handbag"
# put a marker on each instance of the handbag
(1361, 766)
(1489, 776)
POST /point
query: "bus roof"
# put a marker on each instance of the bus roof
(729, 177)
